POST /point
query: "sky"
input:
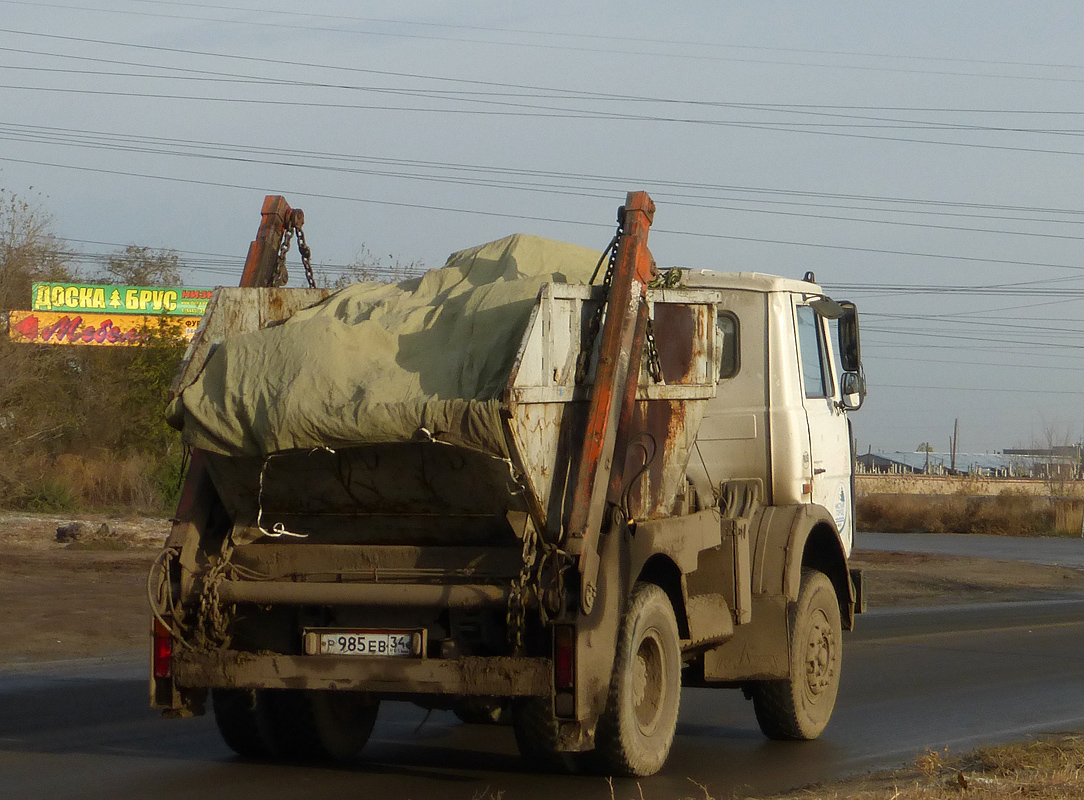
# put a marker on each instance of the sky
(922, 158)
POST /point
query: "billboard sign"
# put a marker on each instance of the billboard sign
(100, 330)
(103, 298)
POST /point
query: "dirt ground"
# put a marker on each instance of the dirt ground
(89, 599)
(64, 601)
(1047, 768)
(917, 579)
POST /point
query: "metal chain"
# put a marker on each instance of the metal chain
(516, 615)
(281, 275)
(214, 619)
(306, 256)
(551, 597)
(583, 360)
(651, 352)
(669, 279)
(539, 558)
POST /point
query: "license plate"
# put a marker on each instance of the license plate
(364, 643)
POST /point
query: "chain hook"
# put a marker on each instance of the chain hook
(295, 221)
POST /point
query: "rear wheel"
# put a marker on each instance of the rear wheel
(637, 728)
(244, 720)
(321, 725)
(800, 707)
(536, 729)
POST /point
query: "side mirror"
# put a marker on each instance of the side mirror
(853, 388)
(850, 350)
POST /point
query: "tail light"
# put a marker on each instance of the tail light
(162, 650)
(564, 640)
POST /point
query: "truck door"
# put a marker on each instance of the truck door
(829, 434)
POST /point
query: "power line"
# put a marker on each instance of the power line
(1033, 391)
(596, 35)
(544, 112)
(1044, 367)
(572, 180)
(594, 49)
(158, 146)
(941, 336)
(535, 218)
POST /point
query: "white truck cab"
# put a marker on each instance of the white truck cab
(779, 413)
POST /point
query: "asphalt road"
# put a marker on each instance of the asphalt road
(1055, 550)
(912, 679)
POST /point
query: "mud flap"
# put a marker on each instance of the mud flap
(755, 652)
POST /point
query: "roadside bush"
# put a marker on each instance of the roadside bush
(1009, 514)
(81, 427)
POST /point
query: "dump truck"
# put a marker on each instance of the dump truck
(534, 484)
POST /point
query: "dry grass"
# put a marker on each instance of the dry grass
(101, 480)
(1051, 769)
(1007, 514)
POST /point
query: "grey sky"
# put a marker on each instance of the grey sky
(895, 149)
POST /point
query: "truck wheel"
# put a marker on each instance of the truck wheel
(312, 725)
(244, 721)
(800, 707)
(636, 730)
(535, 728)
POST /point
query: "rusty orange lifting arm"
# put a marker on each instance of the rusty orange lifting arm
(262, 261)
(614, 389)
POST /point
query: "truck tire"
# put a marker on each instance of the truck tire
(310, 725)
(800, 707)
(636, 730)
(244, 721)
(535, 728)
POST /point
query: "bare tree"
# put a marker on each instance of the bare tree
(367, 266)
(1060, 468)
(142, 266)
(29, 251)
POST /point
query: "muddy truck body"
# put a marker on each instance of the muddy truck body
(673, 507)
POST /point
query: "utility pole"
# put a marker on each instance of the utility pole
(955, 439)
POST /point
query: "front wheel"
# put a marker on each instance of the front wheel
(800, 707)
(636, 730)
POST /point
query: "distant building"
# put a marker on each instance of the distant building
(1007, 464)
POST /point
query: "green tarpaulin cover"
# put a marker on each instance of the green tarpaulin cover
(376, 363)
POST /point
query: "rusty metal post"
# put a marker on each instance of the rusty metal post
(264, 250)
(616, 376)
(628, 405)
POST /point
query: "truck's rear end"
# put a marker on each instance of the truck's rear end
(380, 551)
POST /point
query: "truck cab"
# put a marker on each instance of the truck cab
(779, 415)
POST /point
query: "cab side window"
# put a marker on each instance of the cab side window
(813, 358)
(727, 337)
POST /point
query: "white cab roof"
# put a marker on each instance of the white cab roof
(746, 281)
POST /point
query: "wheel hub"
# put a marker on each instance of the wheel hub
(820, 657)
(648, 682)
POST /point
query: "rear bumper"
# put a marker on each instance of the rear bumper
(468, 676)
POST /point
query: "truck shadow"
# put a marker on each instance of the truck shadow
(409, 752)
